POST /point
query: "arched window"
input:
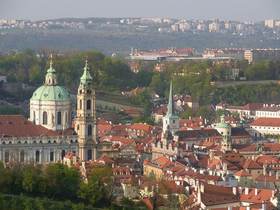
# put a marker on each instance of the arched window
(51, 156)
(37, 156)
(88, 104)
(45, 118)
(89, 155)
(89, 130)
(62, 154)
(34, 117)
(7, 156)
(59, 118)
(21, 156)
(81, 104)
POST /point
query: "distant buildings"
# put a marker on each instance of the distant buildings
(162, 54)
(261, 54)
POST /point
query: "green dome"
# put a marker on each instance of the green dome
(51, 93)
(223, 124)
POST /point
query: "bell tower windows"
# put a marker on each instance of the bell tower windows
(88, 104)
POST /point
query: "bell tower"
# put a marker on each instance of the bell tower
(85, 122)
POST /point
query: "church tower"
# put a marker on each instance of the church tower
(170, 125)
(85, 122)
(225, 130)
(170, 120)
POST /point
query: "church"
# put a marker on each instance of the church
(50, 132)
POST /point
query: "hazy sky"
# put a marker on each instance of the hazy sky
(196, 9)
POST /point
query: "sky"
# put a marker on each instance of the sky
(244, 10)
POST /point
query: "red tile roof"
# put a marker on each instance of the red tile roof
(271, 122)
(242, 173)
(18, 126)
(256, 196)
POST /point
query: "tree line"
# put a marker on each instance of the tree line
(56, 186)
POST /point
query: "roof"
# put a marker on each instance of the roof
(242, 173)
(256, 196)
(86, 78)
(273, 147)
(251, 164)
(170, 106)
(235, 131)
(141, 126)
(214, 195)
(51, 93)
(271, 122)
(18, 126)
(184, 135)
(161, 162)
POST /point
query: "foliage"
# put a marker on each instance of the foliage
(243, 94)
(98, 190)
(54, 182)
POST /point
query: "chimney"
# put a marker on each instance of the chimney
(234, 190)
(256, 191)
(240, 190)
(202, 187)
(246, 190)
(198, 192)
(264, 169)
(263, 206)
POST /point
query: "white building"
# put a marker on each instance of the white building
(269, 111)
(47, 136)
(50, 105)
(265, 126)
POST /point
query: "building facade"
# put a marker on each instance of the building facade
(48, 135)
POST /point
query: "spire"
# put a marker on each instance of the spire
(51, 69)
(86, 77)
(50, 78)
(51, 61)
(170, 107)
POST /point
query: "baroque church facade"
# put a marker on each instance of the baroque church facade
(48, 134)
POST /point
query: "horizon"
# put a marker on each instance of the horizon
(250, 10)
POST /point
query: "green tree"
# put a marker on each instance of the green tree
(98, 190)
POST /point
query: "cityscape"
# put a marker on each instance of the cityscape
(128, 113)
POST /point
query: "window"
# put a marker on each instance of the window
(45, 118)
(89, 130)
(7, 156)
(63, 154)
(21, 156)
(51, 156)
(81, 104)
(34, 117)
(59, 118)
(88, 104)
(66, 118)
(37, 156)
(89, 155)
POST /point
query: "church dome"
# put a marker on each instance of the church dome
(51, 93)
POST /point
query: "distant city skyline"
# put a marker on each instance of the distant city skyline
(249, 10)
